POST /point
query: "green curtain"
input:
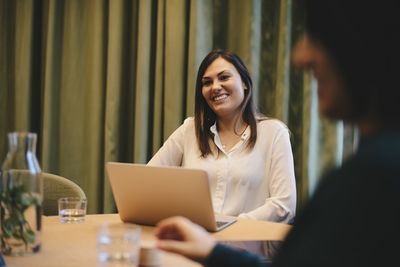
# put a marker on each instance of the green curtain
(109, 80)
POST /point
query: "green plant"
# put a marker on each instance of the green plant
(14, 202)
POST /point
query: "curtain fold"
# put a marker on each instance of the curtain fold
(105, 80)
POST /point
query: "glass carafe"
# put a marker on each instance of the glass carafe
(21, 194)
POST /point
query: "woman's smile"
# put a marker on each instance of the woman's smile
(219, 98)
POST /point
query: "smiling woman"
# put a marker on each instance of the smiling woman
(248, 157)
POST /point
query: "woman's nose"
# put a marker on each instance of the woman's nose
(216, 86)
(302, 53)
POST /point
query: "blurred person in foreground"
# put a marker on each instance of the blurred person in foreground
(353, 218)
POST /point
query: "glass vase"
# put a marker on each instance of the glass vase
(21, 194)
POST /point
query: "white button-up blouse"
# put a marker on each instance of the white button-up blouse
(255, 183)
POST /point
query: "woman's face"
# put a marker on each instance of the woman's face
(333, 99)
(222, 88)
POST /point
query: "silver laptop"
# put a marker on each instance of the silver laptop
(147, 194)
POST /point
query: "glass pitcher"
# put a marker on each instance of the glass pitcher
(21, 194)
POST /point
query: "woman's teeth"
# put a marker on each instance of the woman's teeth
(220, 97)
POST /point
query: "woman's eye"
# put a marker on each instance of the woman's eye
(224, 77)
(205, 83)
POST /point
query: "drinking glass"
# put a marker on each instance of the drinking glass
(118, 245)
(72, 209)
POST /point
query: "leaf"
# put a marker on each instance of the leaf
(24, 200)
(37, 200)
(14, 201)
(29, 236)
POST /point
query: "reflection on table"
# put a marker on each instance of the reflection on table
(75, 244)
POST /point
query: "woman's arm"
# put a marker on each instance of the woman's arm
(280, 206)
(171, 152)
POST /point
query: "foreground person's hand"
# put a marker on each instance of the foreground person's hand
(179, 235)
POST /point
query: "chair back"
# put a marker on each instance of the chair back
(55, 187)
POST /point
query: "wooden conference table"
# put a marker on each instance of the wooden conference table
(75, 244)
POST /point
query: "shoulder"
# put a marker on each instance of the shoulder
(184, 129)
(374, 166)
(271, 125)
(189, 120)
(270, 130)
(381, 152)
(188, 125)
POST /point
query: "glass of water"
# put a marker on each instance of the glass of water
(72, 209)
(118, 245)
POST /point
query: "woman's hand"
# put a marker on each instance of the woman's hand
(179, 235)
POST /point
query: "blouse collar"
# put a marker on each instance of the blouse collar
(245, 135)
